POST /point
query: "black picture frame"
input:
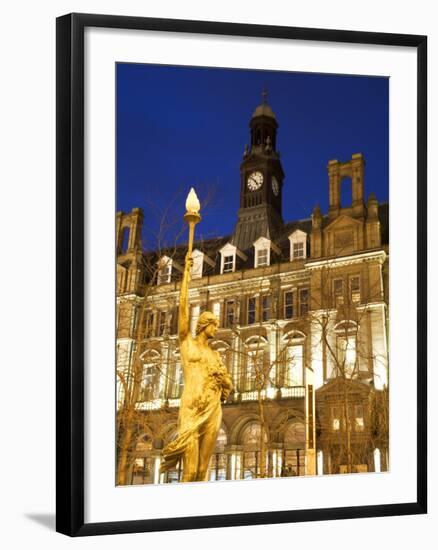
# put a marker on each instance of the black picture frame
(70, 273)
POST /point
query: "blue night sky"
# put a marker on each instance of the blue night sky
(179, 127)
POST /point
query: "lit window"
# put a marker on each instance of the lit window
(355, 289)
(358, 417)
(216, 308)
(298, 251)
(338, 292)
(336, 418)
(347, 355)
(304, 301)
(294, 370)
(151, 382)
(262, 257)
(252, 305)
(266, 308)
(228, 264)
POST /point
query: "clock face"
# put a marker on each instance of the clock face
(254, 181)
(275, 186)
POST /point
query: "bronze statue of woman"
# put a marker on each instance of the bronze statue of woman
(206, 384)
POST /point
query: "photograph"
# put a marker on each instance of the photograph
(252, 274)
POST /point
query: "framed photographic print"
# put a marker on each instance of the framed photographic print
(241, 274)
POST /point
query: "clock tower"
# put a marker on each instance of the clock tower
(261, 181)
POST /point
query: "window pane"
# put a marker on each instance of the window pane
(355, 289)
(228, 264)
(262, 257)
(338, 292)
(304, 301)
(294, 369)
(288, 305)
(252, 310)
(298, 250)
(229, 313)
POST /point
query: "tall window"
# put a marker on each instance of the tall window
(161, 325)
(266, 307)
(288, 304)
(250, 372)
(336, 418)
(230, 313)
(304, 301)
(338, 292)
(358, 418)
(294, 367)
(347, 355)
(151, 380)
(355, 289)
(228, 264)
(252, 310)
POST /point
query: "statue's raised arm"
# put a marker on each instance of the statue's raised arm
(184, 315)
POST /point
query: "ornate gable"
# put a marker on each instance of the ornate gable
(344, 236)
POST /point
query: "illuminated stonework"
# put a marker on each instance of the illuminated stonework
(303, 331)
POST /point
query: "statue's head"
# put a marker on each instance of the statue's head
(207, 322)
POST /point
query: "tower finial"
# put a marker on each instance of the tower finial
(265, 95)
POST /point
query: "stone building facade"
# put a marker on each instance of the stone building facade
(303, 311)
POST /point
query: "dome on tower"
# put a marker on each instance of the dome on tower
(264, 110)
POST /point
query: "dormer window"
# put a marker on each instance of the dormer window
(164, 270)
(298, 241)
(198, 260)
(263, 247)
(262, 257)
(229, 254)
(228, 263)
(298, 251)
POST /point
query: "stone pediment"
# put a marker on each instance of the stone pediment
(336, 386)
(341, 222)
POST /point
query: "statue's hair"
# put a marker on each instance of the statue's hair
(206, 318)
